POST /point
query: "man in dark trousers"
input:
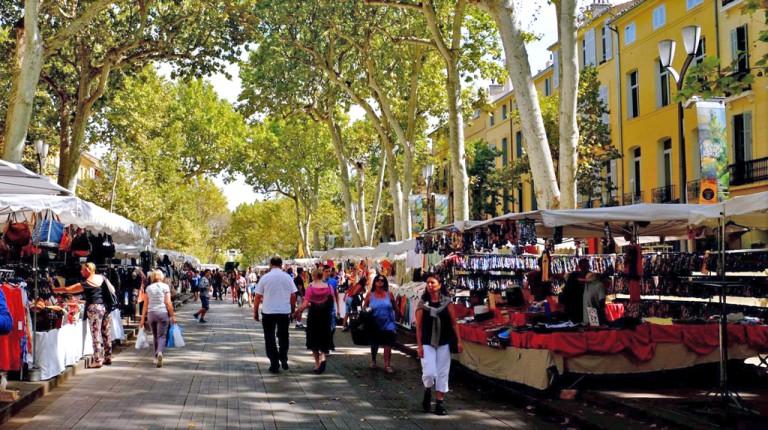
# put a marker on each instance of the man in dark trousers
(277, 292)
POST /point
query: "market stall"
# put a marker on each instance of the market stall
(45, 237)
(530, 317)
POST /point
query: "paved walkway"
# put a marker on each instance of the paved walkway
(220, 381)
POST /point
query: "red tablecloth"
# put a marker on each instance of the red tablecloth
(639, 343)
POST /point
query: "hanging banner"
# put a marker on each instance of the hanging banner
(715, 178)
(441, 209)
(417, 212)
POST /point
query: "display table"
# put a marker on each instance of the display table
(534, 359)
(56, 349)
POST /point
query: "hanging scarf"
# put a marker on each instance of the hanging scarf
(434, 313)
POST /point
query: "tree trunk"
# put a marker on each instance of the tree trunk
(376, 203)
(456, 143)
(26, 68)
(346, 194)
(363, 227)
(519, 69)
(303, 233)
(569, 89)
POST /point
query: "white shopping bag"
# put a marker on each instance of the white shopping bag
(141, 340)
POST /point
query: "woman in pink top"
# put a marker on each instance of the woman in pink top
(319, 300)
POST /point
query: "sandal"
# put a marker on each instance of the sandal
(389, 370)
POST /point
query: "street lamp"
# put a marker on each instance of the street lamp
(691, 37)
(427, 172)
(41, 149)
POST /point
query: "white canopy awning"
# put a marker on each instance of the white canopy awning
(748, 211)
(362, 252)
(73, 210)
(458, 226)
(394, 248)
(17, 179)
(661, 219)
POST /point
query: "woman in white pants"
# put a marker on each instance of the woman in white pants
(436, 334)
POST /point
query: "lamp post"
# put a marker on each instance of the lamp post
(41, 149)
(691, 37)
(427, 172)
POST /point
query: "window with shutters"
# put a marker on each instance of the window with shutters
(666, 178)
(519, 144)
(611, 174)
(491, 119)
(659, 17)
(633, 95)
(629, 33)
(635, 186)
(662, 85)
(607, 43)
(742, 137)
(547, 87)
(534, 203)
(740, 50)
(504, 151)
(589, 48)
(520, 198)
(504, 111)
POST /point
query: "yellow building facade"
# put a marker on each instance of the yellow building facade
(622, 42)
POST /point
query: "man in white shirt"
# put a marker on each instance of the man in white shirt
(278, 293)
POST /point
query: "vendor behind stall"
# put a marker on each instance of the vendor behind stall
(572, 297)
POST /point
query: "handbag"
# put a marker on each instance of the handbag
(110, 299)
(81, 246)
(66, 240)
(361, 328)
(16, 233)
(48, 231)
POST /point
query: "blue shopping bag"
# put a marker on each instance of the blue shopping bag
(48, 231)
(175, 337)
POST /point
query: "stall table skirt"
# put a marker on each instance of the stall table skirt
(535, 367)
(56, 349)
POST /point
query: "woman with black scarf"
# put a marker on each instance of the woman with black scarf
(437, 335)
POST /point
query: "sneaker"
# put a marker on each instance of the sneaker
(154, 361)
(195, 315)
(203, 321)
(426, 402)
(440, 408)
(159, 360)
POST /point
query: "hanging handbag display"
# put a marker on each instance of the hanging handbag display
(48, 231)
(16, 232)
(66, 240)
(81, 246)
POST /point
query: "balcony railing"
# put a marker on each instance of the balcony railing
(633, 198)
(694, 188)
(664, 194)
(748, 172)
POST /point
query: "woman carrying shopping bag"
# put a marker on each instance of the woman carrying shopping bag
(159, 308)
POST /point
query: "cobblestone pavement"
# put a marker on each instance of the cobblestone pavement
(220, 381)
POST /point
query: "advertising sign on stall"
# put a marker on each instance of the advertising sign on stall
(441, 209)
(710, 116)
(417, 213)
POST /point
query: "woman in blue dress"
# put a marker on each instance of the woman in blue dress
(382, 305)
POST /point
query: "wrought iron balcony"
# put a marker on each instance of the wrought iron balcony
(664, 194)
(633, 198)
(748, 172)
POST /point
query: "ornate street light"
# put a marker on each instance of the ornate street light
(691, 38)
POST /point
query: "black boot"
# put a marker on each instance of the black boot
(426, 403)
(440, 408)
